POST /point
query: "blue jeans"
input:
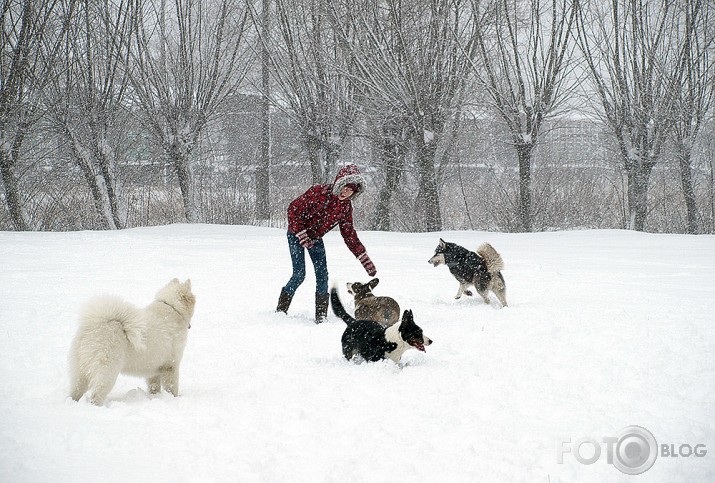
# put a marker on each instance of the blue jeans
(320, 264)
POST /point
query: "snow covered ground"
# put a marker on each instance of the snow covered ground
(604, 330)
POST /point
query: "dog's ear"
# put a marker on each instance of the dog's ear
(373, 283)
(185, 295)
(442, 243)
(407, 317)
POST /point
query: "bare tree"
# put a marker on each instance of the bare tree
(312, 84)
(263, 170)
(524, 52)
(631, 48)
(188, 59)
(386, 123)
(85, 101)
(32, 35)
(392, 135)
(694, 95)
(408, 61)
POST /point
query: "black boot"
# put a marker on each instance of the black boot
(321, 307)
(284, 302)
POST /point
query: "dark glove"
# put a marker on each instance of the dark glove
(304, 240)
(367, 263)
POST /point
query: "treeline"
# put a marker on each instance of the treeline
(506, 115)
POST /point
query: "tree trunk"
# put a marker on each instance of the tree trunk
(428, 196)
(711, 189)
(686, 182)
(12, 191)
(393, 160)
(524, 152)
(101, 201)
(180, 160)
(638, 179)
(111, 186)
(312, 145)
(332, 154)
(263, 188)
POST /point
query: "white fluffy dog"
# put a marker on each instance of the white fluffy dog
(116, 337)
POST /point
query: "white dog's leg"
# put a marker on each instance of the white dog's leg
(460, 290)
(153, 384)
(103, 384)
(103, 375)
(170, 380)
(79, 387)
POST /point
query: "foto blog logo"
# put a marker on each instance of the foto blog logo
(633, 450)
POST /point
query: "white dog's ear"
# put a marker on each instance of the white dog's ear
(188, 284)
(174, 280)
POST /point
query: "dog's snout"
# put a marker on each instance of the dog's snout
(437, 259)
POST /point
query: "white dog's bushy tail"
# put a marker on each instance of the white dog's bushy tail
(109, 308)
(491, 258)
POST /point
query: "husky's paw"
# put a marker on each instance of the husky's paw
(468, 292)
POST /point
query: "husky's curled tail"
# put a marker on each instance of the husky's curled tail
(491, 258)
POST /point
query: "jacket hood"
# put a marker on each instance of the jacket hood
(348, 174)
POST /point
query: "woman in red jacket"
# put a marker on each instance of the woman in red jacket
(312, 215)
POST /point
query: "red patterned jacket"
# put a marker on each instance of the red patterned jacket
(319, 210)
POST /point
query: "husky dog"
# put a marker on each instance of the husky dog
(116, 337)
(383, 310)
(373, 342)
(481, 269)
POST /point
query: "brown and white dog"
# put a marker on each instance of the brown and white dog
(383, 310)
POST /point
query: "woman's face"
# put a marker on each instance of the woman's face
(345, 193)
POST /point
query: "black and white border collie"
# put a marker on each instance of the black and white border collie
(373, 342)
